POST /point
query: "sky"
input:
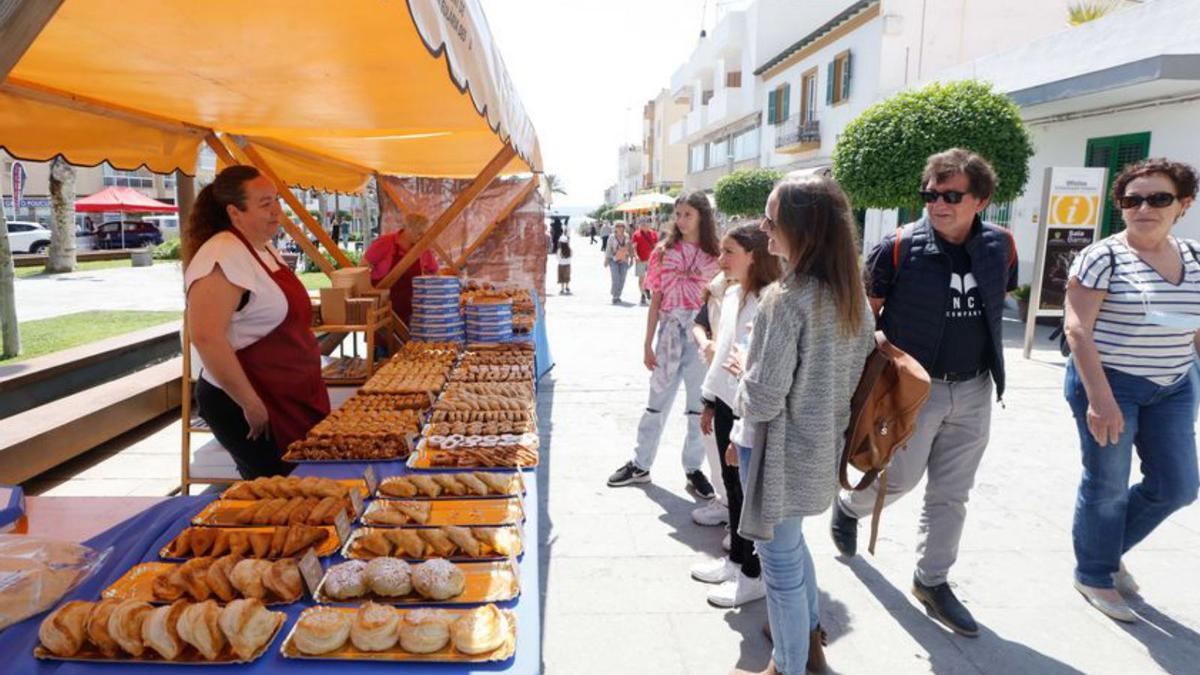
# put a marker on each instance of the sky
(585, 68)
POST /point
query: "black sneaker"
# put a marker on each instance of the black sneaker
(628, 475)
(941, 604)
(844, 529)
(699, 484)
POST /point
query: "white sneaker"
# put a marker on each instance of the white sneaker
(1107, 601)
(1122, 580)
(713, 513)
(738, 591)
(726, 543)
(714, 571)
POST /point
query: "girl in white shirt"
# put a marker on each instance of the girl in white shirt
(745, 261)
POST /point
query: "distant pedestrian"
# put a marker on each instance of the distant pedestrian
(680, 267)
(644, 241)
(618, 253)
(606, 231)
(591, 230)
(564, 265)
(1132, 320)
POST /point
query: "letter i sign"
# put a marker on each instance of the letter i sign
(1073, 210)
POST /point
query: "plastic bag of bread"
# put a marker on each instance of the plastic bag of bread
(35, 573)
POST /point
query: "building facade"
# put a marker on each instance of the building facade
(631, 171)
(665, 163)
(35, 202)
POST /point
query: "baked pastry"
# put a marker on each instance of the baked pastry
(375, 627)
(247, 577)
(373, 544)
(438, 541)
(63, 632)
(450, 484)
(202, 539)
(399, 486)
(426, 485)
(159, 631)
(346, 580)
(283, 580)
(125, 625)
(425, 631)
(239, 543)
(198, 626)
(480, 630)
(97, 627)
(407, 542)
(503, 540)
(500, 483)
(300, 538)
(474, 485)
(438, 579)
(389, 577)
(260, 544)
(217, 577)
(247, 625)
(321, 630)
(169, 587)
(465, 540)
(193, 573)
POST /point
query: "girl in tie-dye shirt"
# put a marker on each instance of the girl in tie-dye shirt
(680, 267)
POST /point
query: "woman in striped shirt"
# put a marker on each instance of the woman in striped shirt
(1132, 316)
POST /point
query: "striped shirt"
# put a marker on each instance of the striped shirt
(1127, 342)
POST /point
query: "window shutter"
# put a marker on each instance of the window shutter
(786, 94)
(829, 74)
(846, 70)
(771, 107)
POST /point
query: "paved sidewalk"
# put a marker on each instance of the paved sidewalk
(616, 593)
(158, 287)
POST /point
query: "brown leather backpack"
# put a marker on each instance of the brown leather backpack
(883, 416)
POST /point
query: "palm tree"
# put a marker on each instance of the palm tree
(554, 185)
(61, 256)
(1082, 12)
(10, 343)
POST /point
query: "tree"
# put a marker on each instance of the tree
(1079, 13)
(554, 186)
(881, 154)
(61, 256)
(10, 343)
(745, 192)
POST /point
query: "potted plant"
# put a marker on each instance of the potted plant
(1022, 295)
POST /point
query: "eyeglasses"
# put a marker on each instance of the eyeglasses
(950, 196)
(1156, 200)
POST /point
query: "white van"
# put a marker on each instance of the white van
(168, 225)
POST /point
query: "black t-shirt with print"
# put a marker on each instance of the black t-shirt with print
(966, 342)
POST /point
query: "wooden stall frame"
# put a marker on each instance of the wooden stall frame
(395, 198)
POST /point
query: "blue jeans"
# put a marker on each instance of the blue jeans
(793, 606)
(1110, 516)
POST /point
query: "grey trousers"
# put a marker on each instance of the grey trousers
(951, 435)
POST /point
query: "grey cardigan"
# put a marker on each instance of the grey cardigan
(800, 374)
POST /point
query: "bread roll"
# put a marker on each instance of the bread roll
(321, 630)
(375, 627)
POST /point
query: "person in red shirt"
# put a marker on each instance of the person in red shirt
(383, 254)
(644, 241)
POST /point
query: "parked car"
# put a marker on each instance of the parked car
(168, 225)
(27, 237)
(137, 235)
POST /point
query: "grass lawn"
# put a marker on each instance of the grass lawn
(86, 266)
(43, 336)
(314, 280)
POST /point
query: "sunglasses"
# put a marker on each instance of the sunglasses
(1156, 200)
(950, 196)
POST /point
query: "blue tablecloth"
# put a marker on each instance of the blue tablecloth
(139, 539)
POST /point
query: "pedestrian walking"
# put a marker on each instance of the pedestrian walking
(810, 340)
(1132, 315)
(644, 241)
(564, 265)
(679, 269)
(938, 288)
(606, 231)
(591, 233)
(618, 252)
(746, 261)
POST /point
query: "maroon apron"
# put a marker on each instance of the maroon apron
(284, 366)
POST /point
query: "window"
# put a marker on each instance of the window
(696, 163)
(136, 179)
(777, 104)
(706, 97)
(1115, 153)
(745, 145)
(733, 80)
(718, 152)
(808, 96)
(839, 71)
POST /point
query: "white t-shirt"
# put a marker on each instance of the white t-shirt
(733, 329)
(1128, 341)
(267, 306)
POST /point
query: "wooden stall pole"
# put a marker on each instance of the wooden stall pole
(391, 193)
(508, 211)
(460, 203)
(20, 26)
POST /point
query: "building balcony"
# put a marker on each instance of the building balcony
(717, 108)
(695, 121)
(795, 135)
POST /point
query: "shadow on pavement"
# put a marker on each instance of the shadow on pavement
(677, 512)
(755, 649)
(1172, 645)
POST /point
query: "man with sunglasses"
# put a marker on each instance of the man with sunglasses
(937, 287)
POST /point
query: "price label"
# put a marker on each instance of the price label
(372, 480)
(356, 502)
(310, 569)
(341, 523)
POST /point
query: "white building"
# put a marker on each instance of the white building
(630, 171)
(665, 163)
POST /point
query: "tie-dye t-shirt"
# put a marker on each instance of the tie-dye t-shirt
(680, 274)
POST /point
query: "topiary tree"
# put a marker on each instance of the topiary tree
(745, 192)
(880, 155)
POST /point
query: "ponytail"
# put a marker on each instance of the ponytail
(209, 215)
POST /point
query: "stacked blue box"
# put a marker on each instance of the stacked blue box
(436, 315)
(489, 322)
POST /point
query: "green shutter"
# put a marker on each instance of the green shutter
(786, 94)
(846, 69)
(1115, 153)
(771, 107)
(829, 83)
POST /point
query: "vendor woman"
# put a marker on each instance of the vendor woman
(260, 387)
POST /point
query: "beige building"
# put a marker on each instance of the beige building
(665, 163)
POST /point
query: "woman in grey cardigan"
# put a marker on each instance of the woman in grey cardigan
(809, 343)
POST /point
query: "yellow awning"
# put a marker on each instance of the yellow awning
(404, 88)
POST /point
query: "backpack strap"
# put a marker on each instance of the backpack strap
(900, 250)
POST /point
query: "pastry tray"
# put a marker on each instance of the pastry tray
(471, 512)
(188, 657)
(348, 482)
(492, 581)
(220, 513)
(447, 654)
(379, 494)
(138, 584)
(457, 557)
(326, 548)
(423, 459)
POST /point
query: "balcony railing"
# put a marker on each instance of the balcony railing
(795, 132)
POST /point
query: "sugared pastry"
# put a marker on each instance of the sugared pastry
(376, 627)
(97, 627)
(425, 631)
(389, 577)
(198, 625)
(283, 580)
(438, 579)
(321, 630)
(479, 631)
(247, 625)
(217, 578)
(247, 577)
(125, 625)
(63, 632)
(346, 580)
(159, 630)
